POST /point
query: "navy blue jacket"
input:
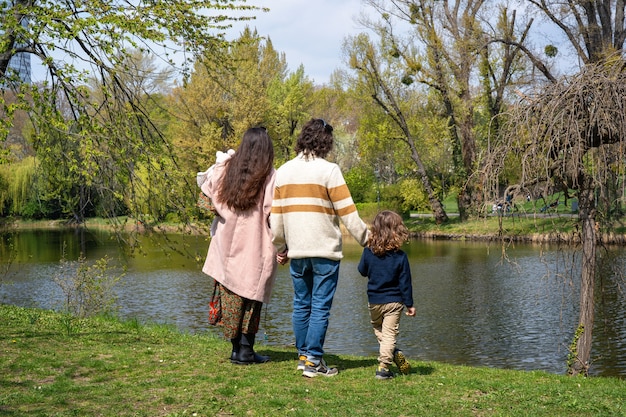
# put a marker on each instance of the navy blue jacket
(389, 277)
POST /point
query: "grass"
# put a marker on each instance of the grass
(106, 367)
(512, 226)
(530, 220)
(551, 228)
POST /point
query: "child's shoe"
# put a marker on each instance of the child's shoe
(400, 360)
(383, 373)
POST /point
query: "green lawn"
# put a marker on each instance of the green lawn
(55, 365)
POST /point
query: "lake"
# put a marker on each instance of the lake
(477, 303)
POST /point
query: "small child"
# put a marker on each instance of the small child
(389, 287)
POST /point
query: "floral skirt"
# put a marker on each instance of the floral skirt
(239, 315)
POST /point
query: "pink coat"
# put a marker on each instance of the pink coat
(241, 254)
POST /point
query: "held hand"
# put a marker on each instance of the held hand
(410, 311)
(281, 258)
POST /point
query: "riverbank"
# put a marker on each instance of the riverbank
(532, 228)
(123, 224)
(58, 365)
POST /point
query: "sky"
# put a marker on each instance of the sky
(309, 32)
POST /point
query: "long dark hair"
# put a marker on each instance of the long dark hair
(247, 171)
(315, 139)
(388, 233)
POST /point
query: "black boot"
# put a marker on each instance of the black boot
(236, 344)
(246, 354)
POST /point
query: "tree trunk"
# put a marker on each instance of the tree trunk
(587, 210)
(464, 202)
(439, 213)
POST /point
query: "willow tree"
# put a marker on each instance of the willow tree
(77, 42)
(580, 120)
(570, 136)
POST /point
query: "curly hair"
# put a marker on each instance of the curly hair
(388, 233)
(315, 139)
(246, 172)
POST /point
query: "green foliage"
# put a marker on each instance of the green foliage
(391, 198)
(101, 34)
(101, 114)
(34, 209)
(69, 323)
(152, 194)
(551, 51)
(172, 218)
(17, 185)
(4, 193)
(88, 290)
(290, 100)
(413, 195)
(573, 360)
(361, 182)
(367, 211)
(403, 196)
(218, 105)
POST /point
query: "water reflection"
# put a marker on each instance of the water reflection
(475, 304)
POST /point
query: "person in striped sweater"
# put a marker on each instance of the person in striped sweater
(311, 199)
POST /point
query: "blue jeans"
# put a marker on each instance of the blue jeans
(314, 285)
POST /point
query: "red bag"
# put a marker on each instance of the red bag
(215, 306)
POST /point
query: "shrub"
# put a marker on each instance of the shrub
(87, 289)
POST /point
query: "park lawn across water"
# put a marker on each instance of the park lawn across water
(517, 226)
(488, 227)
(57, 365)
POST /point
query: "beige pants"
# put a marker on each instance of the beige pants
(386, 324)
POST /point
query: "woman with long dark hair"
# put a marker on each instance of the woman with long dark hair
(241, 257)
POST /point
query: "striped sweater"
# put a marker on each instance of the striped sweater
(310, 199)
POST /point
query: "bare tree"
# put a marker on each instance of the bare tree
(378, 83)
(447, 50)
(594, 28)
(570, 136)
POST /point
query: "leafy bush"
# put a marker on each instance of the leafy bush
(367, 211)
(391, 198)
(413, 195)
(362, 184)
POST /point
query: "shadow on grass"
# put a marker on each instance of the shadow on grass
(275, 355)
(340, 362)
(351, 363)
(422, 370)
(331, 360)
